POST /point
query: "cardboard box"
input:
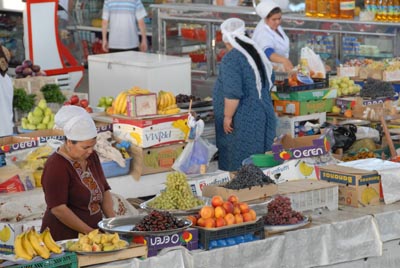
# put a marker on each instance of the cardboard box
(306, 95)
(34, 84)
(291, 124)
(391, 75)
(198, 182)
(8, 233)
(142, 105)
(286, 147)
(357, 187)
(151, 131)
(244, 195)
(303, 107)
(351, 71)
(155, 159)
(188, 239)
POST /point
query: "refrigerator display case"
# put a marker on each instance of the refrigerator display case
(193, 31)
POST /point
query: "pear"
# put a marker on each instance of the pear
(48, 111)
(42, 104)
(37, 111)
(41, 126)
(46, 119)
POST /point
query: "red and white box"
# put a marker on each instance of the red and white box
(152, 130)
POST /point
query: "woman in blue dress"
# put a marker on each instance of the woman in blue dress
(245, 121)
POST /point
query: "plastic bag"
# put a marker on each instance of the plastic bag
(314, 63)
(197, 153)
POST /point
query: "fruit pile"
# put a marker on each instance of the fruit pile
(344, 85)
(30, 244)
(105, 102)
(248, 176)
(183, 98)
(75, 100)
(373, 88)
(27, 68)
(159, 221)
(223, 213)
(40, 118)
(280, 212)
(166, 103)
(96, 241)
(177, 194)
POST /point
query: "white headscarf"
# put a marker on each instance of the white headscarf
(76, 123)
(234, 27)
(265, 7)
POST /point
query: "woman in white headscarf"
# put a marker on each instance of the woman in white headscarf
(76, 191)
(270, 36)
(6, 95)
(244, 116)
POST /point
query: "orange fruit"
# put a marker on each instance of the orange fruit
(348, 113)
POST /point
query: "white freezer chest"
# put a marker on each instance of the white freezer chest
(111, 73)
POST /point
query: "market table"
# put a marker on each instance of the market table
(348, 237)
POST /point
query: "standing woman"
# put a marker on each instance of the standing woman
(270, 36)
(6, 95)
(245, 121)
(75, 188)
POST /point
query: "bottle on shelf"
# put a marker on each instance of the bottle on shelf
(396, 4)
(367, 5)
(390, 11)
(322, 8)
(381, 14)
(334, 9)
(311, 8)
(347, 9)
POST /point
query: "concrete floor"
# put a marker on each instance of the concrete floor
(84, 85)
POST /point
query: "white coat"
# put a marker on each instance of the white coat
(6, 106)
(265, 38)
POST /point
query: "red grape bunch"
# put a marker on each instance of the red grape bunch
(280, 212)
(159, 221)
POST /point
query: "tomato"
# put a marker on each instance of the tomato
(74, 99)
(67, 103)
(84, 103)
(89, 109)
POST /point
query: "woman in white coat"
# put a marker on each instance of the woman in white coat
(6, 95)
(270, 36)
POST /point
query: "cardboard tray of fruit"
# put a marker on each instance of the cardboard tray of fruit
(65, 245)
(125, 226)
(195, 104)
(207, 201)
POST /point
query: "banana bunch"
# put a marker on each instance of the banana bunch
(36, 159)
(30, 244)
(166, 103)
(96, 241)
(119, 105)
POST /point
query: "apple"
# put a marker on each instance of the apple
(74, 99)
(109, 101)
(84, 103)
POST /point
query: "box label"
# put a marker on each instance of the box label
(338, 177)
(369, 179)
(320, 146)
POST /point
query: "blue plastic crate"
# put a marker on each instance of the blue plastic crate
(112, 169)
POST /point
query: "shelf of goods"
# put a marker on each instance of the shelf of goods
(193, 31)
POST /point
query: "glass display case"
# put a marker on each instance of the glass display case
(193, 31)
(11, 35)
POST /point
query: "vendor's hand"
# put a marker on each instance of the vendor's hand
(287, 65)
(228, 125)
(105, 45)
(143, 46)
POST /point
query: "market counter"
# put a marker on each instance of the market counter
(348, 237)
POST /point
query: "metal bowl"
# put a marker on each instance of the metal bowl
(357, 122)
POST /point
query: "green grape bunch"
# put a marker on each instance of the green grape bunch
(177, 194)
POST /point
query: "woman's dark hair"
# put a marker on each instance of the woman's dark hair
(274, 11)
(256, 57)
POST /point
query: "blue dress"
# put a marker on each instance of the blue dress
(254, 123)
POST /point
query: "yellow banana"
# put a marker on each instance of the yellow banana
(162, 100)
(27, 245)
(120, 102)
(172, 106)
(173, 99)
(38, 244)
(172, 111)
(49, 242)
(19, 249)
